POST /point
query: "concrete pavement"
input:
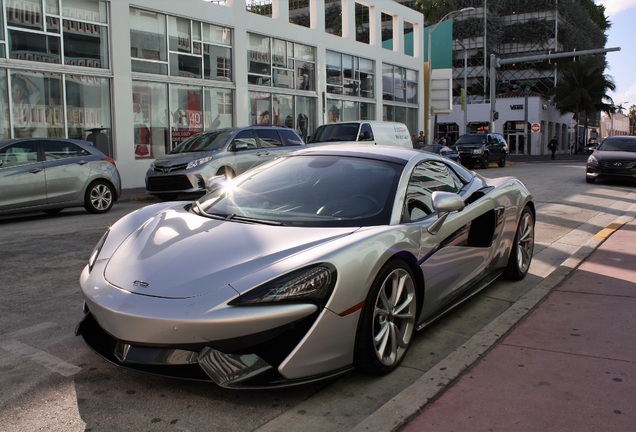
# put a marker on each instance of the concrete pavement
(569, 365)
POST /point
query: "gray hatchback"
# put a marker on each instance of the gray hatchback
(50, 174)
(228, 151)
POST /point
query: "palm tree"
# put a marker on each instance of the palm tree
(582, 88)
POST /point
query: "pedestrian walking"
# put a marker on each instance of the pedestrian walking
(552, 145)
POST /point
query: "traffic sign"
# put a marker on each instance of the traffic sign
(536, 127)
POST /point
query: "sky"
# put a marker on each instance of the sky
(622, 64)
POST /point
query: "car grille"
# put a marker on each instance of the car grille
(619, 165)
(169, 183)
(169, 169)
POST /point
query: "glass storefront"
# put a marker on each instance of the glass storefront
(54, 104)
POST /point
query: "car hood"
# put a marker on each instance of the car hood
(182, 158)
(178, 254)
(614, 155)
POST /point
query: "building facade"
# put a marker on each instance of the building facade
(525, 112)
(138, 77)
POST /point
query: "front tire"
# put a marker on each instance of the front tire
(387, 323)
(502, 161)
(484, 161)
(99, 197)
(522, 247)
(590, 180)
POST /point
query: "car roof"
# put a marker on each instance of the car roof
(44, 139)
(389, 153)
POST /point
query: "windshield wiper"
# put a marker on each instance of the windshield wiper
(232, 216)
(253, 220)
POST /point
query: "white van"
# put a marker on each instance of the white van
(363, 131)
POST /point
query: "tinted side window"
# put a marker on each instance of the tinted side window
(54, 150)
(366, 133)
(428, 177)
(19, 154)
(290, 138)
(268, 138)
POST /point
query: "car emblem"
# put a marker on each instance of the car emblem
(165, 170)
(617, 164)
(141, 284)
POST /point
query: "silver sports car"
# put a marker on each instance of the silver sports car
(321, 261)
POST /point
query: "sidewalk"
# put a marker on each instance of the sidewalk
(569, 365)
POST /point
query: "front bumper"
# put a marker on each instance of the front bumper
(249, 367)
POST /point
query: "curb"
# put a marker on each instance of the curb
(406, 405)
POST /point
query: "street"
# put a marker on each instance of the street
(53, 382)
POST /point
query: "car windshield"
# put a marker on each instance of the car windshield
(625, 144)
(203, 142)
(309, 190)
(335, 132)
(471, 139)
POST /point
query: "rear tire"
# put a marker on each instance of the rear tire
(99, 197)
(387, 323)
(522, 247)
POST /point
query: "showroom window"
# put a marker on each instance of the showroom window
(74, 34)
(295, 112)
(344, 110)
(278, 63)
(349, 75)
(180, 47)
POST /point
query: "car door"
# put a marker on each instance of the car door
(270, 144)
(456, 256)
(494, 148)
(67, 168)
(22, 178)
(244, 151)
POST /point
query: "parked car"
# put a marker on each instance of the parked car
(50, 174)
(481, 149)
(228, 151)
(442, 150)
(323, 260)
(614, 158)
(363, 131)
(592, 144)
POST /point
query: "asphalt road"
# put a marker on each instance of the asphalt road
(51, 381)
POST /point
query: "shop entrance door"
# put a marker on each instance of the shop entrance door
(516, 144)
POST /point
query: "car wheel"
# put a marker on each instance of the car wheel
(502, 161)
(387, 323)
(522, 248)
(590, 180)
(484, 161)
(99, 197)
(227, 172)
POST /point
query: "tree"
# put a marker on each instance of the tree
(583, 88)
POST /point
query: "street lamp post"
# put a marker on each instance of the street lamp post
(465, 91)
(429, 120)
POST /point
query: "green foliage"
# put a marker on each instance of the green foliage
(535, 31)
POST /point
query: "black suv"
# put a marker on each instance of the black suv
(482, 149)
(228, 151)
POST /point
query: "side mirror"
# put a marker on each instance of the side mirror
(239, 146)
(215, 182)
(444, 203)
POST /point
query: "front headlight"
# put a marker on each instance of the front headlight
(311, 284)
(98, 247)
(196, 163)
(592, 160)
(478, 151)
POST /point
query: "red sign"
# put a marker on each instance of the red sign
(536, 127)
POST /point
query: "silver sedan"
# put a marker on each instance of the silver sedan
(307, 267)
